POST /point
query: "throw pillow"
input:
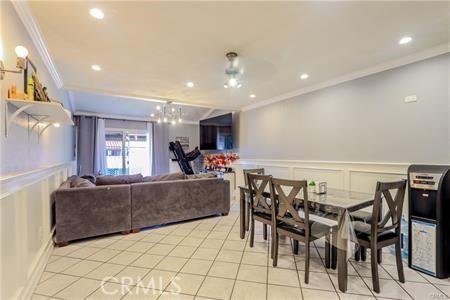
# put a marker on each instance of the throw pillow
(123, 179)
(91, 178)
(164, 177)
(81, 182)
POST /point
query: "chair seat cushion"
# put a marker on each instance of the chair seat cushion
(317, 229)
(362, 231)
(361, 215)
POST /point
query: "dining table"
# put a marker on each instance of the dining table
(333, 208)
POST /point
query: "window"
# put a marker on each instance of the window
(127, 152)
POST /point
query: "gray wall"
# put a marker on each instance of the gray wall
(20, 152)
(189, 130)
(364, 120)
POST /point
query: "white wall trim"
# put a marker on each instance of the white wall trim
(207, 114)
(12, 183)
(324, 162)
(37, 270)
(26, 206)
(142, 98)
(124, 117)
(71, 98)
(356, 176)
(435, 51)
(28, 20)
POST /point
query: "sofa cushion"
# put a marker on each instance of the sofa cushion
(201, 175)
(164, 177)
(123, 179)
(91, 178)
(79, 182)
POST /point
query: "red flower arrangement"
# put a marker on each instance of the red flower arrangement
(220, 160)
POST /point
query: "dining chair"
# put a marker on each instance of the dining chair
(291, 218)
(259, 171)
(383, 230)
(360, 251)
(260, 206)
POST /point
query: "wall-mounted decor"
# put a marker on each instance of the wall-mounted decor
(184, 141)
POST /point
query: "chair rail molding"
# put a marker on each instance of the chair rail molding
(26, 227)
(355, 176)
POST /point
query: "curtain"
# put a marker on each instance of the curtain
(90, 145)
(100, 148)
(87, 127)
(160, 155)
(150, 146)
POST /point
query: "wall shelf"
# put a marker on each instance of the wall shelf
(43, 113)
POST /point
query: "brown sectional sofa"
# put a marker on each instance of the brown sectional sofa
(172, 201)
(83, 212)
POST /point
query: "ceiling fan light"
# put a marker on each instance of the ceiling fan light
(232, 82)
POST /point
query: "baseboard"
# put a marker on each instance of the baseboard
(36, 273)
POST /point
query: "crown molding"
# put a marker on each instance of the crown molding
(431, 52)
(26, 16)
(71, 98)
(124, 117)
(207, 114)
(142, 98)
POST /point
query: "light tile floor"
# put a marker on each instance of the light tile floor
(206, 259)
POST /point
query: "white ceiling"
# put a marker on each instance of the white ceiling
(151, 49)
(119, 106)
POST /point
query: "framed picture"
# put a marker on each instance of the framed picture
(184, 141)
(28, 72)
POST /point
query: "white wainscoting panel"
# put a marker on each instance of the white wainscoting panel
(333, 177)
(354, 176)
(26, 227)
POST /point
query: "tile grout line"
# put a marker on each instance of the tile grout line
(192, 229)
(221, 218)
(220, 249)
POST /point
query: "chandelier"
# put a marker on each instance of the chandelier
(232, 71)
(168, 114)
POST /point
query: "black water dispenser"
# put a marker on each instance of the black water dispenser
(429, 219)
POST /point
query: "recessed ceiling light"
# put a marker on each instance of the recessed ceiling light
(405, 40)
(152, 115)
(190, 84)
(304, 76)
(252, 96)
(96, 13)
(96, 68)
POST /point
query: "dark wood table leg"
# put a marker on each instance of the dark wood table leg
(342, 253)
(242, 213)
(334, 248)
